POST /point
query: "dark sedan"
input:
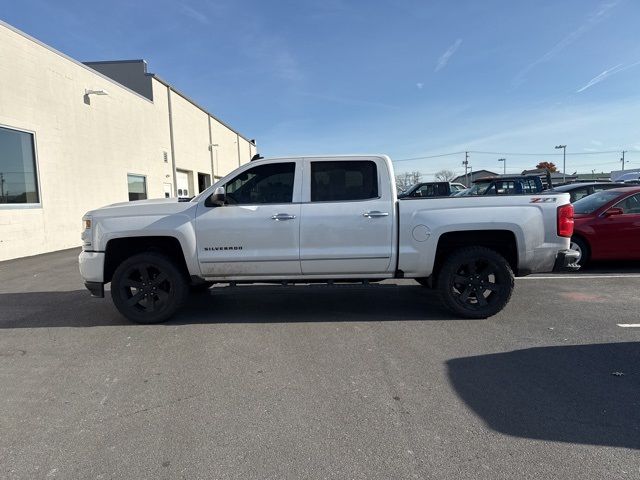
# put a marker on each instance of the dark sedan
(607, 225)
(584, 189)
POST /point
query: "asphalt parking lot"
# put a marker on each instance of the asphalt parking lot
(320, 382)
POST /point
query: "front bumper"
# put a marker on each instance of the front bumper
(91, 266)
(567, 260)
(92, 271)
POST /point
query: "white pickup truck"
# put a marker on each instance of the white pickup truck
(321, 219)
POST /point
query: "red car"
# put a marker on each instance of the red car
(607, 225)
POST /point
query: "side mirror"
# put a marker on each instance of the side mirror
(613, 211)
(217, 198)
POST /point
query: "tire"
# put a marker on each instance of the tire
(201, 287)
(424, 281)
(475, 282)
(154, 281)
(582, 246)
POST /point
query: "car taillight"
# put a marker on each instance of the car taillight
(565, 220)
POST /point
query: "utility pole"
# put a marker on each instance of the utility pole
(1, 186)
(622, 159)
(564, 162)
(466, 168)
(505, 164)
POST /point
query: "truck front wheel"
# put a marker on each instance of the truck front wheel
(148, 288)
(475, 282)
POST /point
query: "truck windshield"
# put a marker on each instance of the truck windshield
(593, 202)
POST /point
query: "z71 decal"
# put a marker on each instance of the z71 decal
(543, 200)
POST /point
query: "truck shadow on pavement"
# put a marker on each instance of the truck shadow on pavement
(242, 304)
(571, 393)
(314, 303)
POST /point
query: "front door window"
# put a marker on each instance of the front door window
(272, 183)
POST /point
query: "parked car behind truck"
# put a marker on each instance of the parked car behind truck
(327, 219)
(505, 185)
(583, 189)
(607, 225)
(432, 189)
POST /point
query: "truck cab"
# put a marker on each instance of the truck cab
(314, 217)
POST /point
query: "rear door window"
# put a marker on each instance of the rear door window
(343, 180)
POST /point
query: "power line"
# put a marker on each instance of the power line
(430, 156)
(547, 154)
(480, 152)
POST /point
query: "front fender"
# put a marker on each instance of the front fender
(179, 226)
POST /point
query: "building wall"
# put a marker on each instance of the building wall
(225, 154)
(86, 146)
(191, 139)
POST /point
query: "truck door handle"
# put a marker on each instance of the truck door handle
(375, 213)
(282, 216)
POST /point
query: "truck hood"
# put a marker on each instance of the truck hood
(158, 206)
(153, 201)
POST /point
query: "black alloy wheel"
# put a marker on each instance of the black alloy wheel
(475, 282)
(148, 288)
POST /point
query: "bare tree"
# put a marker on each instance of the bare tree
(444, 175)
(406, 179)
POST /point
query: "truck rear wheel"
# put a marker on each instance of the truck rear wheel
(475, 282)
(148, 288)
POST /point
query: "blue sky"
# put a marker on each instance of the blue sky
(406, 78)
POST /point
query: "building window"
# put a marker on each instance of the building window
(137, 187)
(18, 178)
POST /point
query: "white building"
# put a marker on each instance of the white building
(76, 136)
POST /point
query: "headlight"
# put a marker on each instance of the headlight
(87, 233)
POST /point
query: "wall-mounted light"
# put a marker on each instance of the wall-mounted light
(95, 92)
(87, 92)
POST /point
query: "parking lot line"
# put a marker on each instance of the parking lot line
(577, 277)
(629, 325)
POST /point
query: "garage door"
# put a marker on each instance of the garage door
(182, 179)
